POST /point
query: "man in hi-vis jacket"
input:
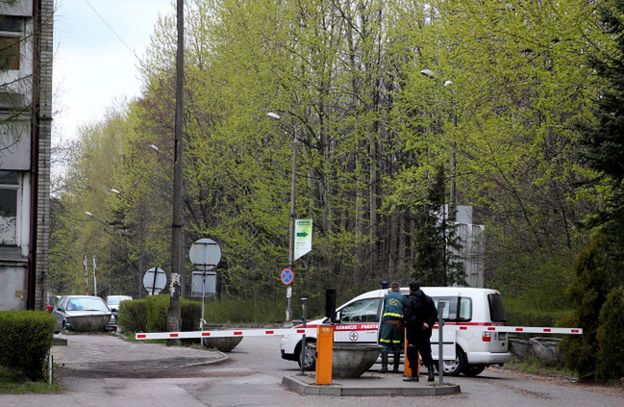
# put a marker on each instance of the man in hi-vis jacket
(391, 336)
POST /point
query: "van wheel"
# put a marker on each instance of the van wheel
(454, 367)
(473, 370)
(310, 356)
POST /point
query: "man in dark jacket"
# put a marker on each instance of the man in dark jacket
(420, 315)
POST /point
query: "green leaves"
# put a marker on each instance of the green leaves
(371, 133)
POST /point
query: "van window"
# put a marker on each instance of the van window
(450, 307)
(465, 309)
(365, 310)
(497, 308)
(456, 309)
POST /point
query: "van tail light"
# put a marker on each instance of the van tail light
(49, 307)
(487, 336)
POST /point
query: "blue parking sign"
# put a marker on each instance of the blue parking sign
(287, 276)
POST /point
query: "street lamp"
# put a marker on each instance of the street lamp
(453, 198)
(291, 227)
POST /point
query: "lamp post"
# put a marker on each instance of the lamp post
(453, 193)
(291, 227)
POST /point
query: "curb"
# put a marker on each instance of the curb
(221, 358)
(295, 384)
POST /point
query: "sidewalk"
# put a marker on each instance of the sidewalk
(369, 384)
(98, 355)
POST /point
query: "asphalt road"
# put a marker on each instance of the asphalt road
(102, 370)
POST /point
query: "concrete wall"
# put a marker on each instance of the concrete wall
(13, 280)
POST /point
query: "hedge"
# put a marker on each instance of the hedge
(26, 338)
(150, 314)
(133, 316)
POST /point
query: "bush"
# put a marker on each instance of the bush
(598, 271)
(133, 316)
(610, 333)
(157, 306)
(190, 314)
(26, 338)
(150, 314)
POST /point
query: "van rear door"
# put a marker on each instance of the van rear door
(498, 341)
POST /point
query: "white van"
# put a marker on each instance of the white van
(467, 312)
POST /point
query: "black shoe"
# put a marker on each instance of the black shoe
(410, 379)
(430, 376)
(384, 362)
(396, 359)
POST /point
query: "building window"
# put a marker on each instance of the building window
(10, 31)
(9, 53)
(9, 188)
(11, 24)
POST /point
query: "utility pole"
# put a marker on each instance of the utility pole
(292, 217)
(173, 313)
(291, 227)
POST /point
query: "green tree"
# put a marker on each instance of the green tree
(436, 261)
(610, 356)
(596, 290)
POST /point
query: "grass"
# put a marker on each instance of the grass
(536, 367)
(15, 383)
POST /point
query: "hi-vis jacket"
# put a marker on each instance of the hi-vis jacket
(393, 305)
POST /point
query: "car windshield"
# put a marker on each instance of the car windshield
(86, 304)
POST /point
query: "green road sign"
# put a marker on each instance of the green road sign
(303, 237)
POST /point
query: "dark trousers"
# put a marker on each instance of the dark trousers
(419, 342)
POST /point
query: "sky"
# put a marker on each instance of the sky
(93, 68)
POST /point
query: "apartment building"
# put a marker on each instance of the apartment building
(25, 132)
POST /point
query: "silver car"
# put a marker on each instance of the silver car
(113, 302)
(82, 313)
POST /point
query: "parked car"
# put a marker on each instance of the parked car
(52, 301)
(82, 313)
(113, 302)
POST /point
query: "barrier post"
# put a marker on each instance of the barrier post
(441, 342)
(407, 368)
(324, 353)
(304, 345)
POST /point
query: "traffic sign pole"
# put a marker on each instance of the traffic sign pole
(205, 252)
(154, 283)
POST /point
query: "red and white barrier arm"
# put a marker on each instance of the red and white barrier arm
(222, 334)
(535, 330)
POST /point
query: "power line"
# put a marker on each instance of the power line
(112, 30)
